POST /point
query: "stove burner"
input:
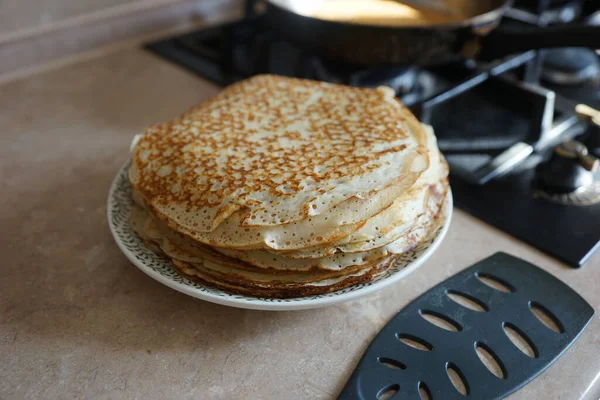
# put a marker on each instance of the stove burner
(570, 66)
(411, 84)
(586, 196)
(569, 176)
(549, 12)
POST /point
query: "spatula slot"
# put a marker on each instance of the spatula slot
(440, 320)
(495, 283)
(467, 301)
(414, 342)
(520, 340)
(546, 317)
(424, 392)
(388, 392)
(457, 378)
(391, 363)
(490, 360)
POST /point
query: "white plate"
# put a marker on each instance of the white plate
(119, 209)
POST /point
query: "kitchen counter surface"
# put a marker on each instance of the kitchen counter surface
(78, 320)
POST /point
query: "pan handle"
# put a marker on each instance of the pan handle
(502, 42)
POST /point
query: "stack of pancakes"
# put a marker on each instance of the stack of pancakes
(281, 187)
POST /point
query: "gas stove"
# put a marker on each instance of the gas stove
(521, 157)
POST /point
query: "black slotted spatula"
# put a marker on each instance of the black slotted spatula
(483, 307)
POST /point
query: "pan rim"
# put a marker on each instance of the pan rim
(488, 18)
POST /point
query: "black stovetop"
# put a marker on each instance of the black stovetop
(480, 113)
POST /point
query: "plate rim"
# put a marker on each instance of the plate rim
(298, 303)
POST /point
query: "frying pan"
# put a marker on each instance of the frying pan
(472, 37)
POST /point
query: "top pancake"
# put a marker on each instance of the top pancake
(276, 150)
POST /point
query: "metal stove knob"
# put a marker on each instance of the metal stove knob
(575, 150)
(569, 168)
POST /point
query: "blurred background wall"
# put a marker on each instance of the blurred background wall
(34, 32)
(23, 15)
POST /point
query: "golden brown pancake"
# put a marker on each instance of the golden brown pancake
(275, 150)
(280, 187)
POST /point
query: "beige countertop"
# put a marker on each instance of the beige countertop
(77, 320)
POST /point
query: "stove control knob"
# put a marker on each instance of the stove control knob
(575, 150)
(569, 168)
